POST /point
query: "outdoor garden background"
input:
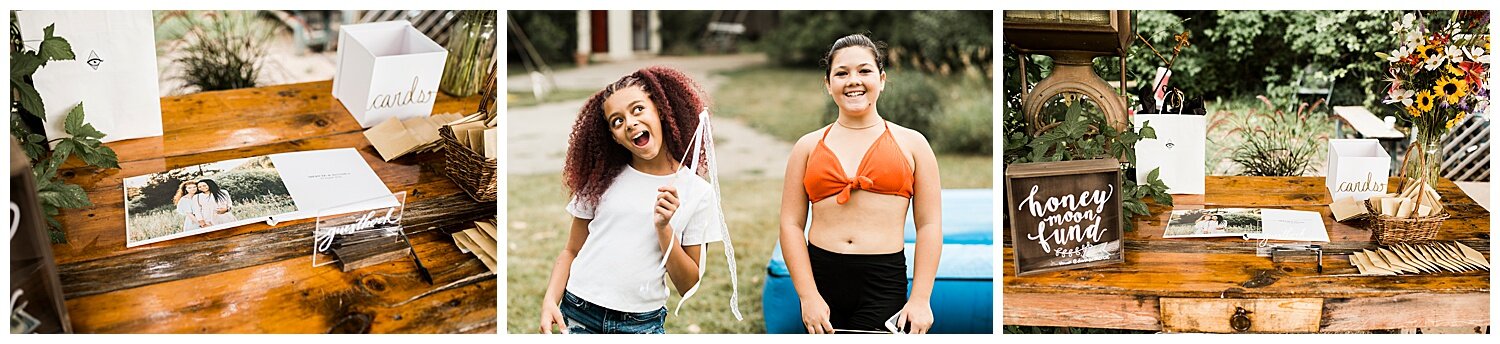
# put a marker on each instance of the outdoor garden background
(766, 91)
(1233, 58)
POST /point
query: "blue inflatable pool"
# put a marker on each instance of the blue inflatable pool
(963, 295)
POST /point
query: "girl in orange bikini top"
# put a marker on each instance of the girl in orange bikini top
(883, 170)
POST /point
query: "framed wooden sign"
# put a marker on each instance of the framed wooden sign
(1064, 215)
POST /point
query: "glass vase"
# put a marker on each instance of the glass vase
(471, 50)
(1424, 161)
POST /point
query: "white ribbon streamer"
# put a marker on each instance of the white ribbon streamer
(702, 144)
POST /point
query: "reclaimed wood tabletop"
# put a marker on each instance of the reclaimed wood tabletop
(1197, 284)
(259, 278)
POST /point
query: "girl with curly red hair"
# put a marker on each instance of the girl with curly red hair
(634, 202)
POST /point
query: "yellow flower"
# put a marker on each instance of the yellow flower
(1412, 111)
(1423, 51)
(1424, 102)
(1456, 120)
(1452, 69)
(1451, 89)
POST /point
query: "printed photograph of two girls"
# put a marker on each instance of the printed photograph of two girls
(750, 172)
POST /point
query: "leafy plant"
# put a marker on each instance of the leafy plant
(53, 193)
(218, 50)
(1275, 142)
(1083, 134)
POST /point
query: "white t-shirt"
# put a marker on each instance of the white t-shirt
(619, 264)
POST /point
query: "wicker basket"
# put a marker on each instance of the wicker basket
(1386, 230)
(472, 171)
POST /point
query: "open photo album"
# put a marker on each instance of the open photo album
(271, 188)
(1248, 223)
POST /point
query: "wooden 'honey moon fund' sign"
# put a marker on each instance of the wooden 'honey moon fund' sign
(1064, 215)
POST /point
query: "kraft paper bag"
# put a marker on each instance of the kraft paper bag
(113, 73)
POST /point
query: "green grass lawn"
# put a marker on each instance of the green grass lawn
(790, 109)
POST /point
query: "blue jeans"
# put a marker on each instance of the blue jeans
(583, 317)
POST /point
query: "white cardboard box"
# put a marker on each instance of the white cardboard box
(1178, 150)
(1357, 167)
(387, 69)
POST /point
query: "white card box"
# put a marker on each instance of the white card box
(1357, 167)
(387, 69)
(1178, 150)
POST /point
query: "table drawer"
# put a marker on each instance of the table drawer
(1241, 315)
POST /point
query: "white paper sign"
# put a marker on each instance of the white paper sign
(387, 69)
(1357, 168)
(1178, 150)
(113, 73)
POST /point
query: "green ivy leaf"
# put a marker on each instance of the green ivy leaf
(74, 122)
(60, 154)
(54, 48)
(1147, 131)
(24, 63)
(64, 195)
(75, 126)
(99, 156)
(1154, 175)
(30, 100)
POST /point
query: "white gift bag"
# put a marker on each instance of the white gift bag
(1178, 150)
(113, 73)
(387, 69)
(1357, 168)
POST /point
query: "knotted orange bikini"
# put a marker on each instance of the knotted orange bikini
(883, 170)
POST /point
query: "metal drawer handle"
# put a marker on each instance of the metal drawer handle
(1240, 321)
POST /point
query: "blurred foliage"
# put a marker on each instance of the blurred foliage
(937, 42)
(1244, 53)
(551, 32)
(1276, 142)
(216, 50)
(939, 66)
(682, 30)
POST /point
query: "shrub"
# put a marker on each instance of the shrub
(1276, 142)
(937, 42)
(1243, 53)
(550, 32)
(681, 30)
(964, 124)
(247, 184)
(221, 50)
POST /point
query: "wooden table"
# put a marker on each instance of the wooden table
(258, 278)
(1194, 285)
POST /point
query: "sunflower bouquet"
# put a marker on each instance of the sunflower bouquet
(1437, 77)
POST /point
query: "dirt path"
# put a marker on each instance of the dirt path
(538, 135)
